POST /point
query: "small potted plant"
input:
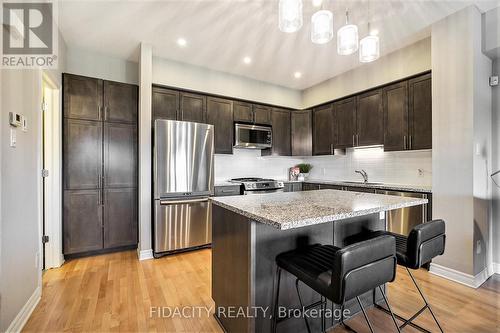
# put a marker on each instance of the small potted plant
(304, 170)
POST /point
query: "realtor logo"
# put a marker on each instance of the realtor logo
(28, 35)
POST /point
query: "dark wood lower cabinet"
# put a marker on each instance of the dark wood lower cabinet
(82, 216)
(120, 217)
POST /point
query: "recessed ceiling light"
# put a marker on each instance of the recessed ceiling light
(297, 75)
(317, 3)
(247, 60)
(181, 42)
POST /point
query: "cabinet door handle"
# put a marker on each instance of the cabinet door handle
(404, 142)
(99, 112)
(106, 112)
(410, 143)
(331, 148)
(353, 140)
(357, 139)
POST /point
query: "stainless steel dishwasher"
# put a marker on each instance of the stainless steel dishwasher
(402, 220)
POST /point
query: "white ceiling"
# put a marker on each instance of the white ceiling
(220, 33)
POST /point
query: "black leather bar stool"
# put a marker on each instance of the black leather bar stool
(424, 242)
(338, 274)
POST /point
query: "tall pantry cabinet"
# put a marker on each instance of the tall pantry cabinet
(99, 165)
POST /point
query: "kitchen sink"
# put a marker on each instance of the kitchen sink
(363, 183)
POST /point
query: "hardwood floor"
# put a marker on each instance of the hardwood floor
(114, 292)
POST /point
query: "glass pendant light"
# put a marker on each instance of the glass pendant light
(369, 49)
(290, 15)
(322, 27)
(347, 37)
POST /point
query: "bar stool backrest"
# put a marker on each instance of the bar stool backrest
(425, 241)
(363, 266)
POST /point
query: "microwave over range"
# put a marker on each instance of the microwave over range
(252, 136)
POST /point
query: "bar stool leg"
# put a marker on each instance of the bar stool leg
(390, 310)
(425, 300)
(276, 299)
(302, 308)
(364, 314)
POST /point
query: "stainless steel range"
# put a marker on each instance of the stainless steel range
(253, 185)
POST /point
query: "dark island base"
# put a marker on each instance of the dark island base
(243, 268)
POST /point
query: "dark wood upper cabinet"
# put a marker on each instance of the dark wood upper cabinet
(301, 131)
(82, 97)
(262, 114)
(165, 103)
(120, 216)
(281, 133)
(82, 154)
(220, 114)
(82, 221)
(345, 123)
(120, 102)
(370, 119)
(420, 112)
(323, 132)
(396, 116)
(193, 108)
(120, 155)
(243, 112)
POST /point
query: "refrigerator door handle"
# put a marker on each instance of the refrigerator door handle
(178, 202)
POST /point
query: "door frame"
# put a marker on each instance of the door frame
(51, 138)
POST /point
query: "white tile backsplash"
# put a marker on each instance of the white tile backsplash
(387, 167)
(249, 163)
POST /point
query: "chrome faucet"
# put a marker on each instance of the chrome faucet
(363, 174)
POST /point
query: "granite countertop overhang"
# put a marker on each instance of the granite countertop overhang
(289, 210)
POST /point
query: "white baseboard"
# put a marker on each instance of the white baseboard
(144, 254)
(22, 317)
(457, 276)
(496, 268)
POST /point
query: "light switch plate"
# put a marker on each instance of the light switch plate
(24, 124)
(493, 81)
(13, 139)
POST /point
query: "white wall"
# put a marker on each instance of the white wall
(495, 125)
(145, 149)
(20, 282)
(385, 167)
(180, 75)
(413, 59)
(491, 31)
(93, 64)
(460, 120)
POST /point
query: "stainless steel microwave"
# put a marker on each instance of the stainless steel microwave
(252, 136)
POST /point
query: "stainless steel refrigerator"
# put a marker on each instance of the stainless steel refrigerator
(183, 181)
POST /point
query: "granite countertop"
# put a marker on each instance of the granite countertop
(380, 186)
(299, 209)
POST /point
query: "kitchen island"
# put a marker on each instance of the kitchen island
(249, 231)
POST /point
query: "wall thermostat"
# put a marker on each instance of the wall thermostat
(15, 119)
(493, 81)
